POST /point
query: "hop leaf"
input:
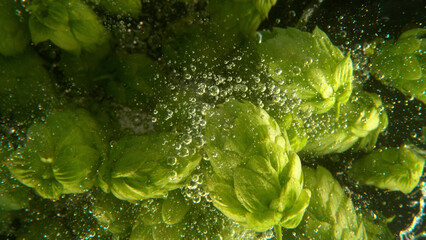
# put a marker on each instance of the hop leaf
(257, 180)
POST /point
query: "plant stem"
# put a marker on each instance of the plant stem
(278, 233)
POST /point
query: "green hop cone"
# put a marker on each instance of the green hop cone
(25, 87)
(360, 122)
(331, 214)
(395, 169)
(401, 64)
(257, 180)
(61, 154)
(148, 166)
(14, 34)
(238, 16)
(69, 24)
(311, 72)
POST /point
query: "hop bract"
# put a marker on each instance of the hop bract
(147, 166)
(61, 154)
(257, 180)
(308, 68)
(401, 64)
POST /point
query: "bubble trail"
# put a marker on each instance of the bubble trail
(410, 232)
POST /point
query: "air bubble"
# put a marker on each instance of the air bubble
(278, 71)
(172, 175)
(214, 91)
(171, 161)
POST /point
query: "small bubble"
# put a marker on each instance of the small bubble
(172, 175)
(171, 161)
(214, 91)
(187, 76)
(278, 71)
(296, 71)
(195, 178)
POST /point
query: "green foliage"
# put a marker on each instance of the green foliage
(61, 154)
(14, 35)
(401, 64)
(395, 169)
(147, 166)
(308, 68)
(257, 180)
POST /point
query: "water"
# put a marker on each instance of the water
(172, 87)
